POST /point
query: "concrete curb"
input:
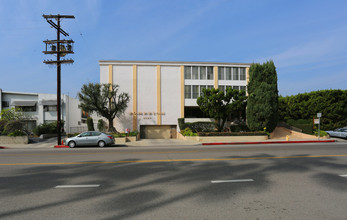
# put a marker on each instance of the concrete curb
(271, 142)
(61, 146)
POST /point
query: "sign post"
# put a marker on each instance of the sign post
(319, 115)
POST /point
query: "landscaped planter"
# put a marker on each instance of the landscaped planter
(14, 140)
(131, 139)
(120, 140)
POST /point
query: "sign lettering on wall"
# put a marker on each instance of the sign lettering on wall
(147, 113)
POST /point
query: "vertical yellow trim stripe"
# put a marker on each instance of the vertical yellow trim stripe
(110, 74)
(158, 95)
(247, 78)
(134, 97)
(215, 73)
(182, 91)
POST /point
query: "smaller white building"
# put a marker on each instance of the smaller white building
(42, 108)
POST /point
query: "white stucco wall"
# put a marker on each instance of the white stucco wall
(123, 76)
(170, 94)
(146, 94)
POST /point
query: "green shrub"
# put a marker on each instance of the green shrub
(47, 128)
(118, 135)
(188, 132)
(2, 126)
(90, 124)
(304, 124)
(133, 133)
(181, 124)
(17, 133)
(13, 126)
(322, 133)
(101, 125)
(239, 128)
(254, 133)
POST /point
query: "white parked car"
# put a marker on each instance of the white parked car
(90, 138)
(339, 132)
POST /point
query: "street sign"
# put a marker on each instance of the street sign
(319, 115)
(316, 121)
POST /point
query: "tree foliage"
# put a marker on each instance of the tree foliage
(11, 120)
(331, 103)
(104, 99)
(262, 105)
(219, 105)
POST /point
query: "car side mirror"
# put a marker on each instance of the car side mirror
(79, 136)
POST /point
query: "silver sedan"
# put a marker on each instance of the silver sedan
(90, 138)
(339, 132)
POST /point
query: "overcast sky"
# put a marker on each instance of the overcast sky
(307, 39)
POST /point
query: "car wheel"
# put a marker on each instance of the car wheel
(72, 144)
(101, 144)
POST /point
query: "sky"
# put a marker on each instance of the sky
(306, 39)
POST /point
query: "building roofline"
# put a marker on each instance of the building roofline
(124, 62)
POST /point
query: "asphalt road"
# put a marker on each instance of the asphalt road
(288, 181)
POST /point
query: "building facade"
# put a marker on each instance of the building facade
(162, 92)
(42, 108)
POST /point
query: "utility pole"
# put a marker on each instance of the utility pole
(60, 48)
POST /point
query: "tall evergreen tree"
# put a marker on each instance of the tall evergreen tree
(262, 105)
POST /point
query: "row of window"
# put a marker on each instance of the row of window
(46, 108)
(194, 91)
(206, 73)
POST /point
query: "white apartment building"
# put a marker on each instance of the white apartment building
(161, 92)
(42, 108)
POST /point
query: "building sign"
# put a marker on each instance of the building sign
(147, 113)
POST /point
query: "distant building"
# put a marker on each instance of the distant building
(42, 108)
(162, 92)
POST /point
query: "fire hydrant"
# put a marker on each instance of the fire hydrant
(287, 138)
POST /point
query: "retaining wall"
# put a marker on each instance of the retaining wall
(14, 140)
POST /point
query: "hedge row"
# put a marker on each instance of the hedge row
(255, 133)
(197, 126)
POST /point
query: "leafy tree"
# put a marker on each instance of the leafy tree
(331, 103)
(101, 125)
(262, 105)
(11, 120)
(105, 100)
(219, 105)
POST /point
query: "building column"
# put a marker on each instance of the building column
(110, 74)
(215, 75)
(158, 95)
(182, 91)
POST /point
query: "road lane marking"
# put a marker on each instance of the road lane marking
(345, 175)
(77, 186)
(232, 181)
(172, 160)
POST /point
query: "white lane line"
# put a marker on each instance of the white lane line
(77, 186)
(232, 181)
(345, 175)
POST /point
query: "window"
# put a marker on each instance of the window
(50, 108)
(187, 72)
(195, 91)
(203, 72)
(26, 108)
(242, 73)
(195, 72)
(235, 73)
(187, 92)
(210, 87)
(221, 73)
(227, 87)
(210, 72)
(5, 104)
(228, 75)
(243, 88)
(236, 87)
